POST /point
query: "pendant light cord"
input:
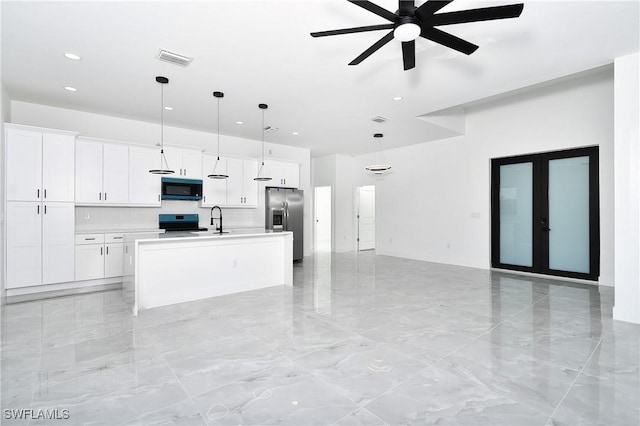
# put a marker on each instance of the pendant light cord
(263, 137)
(162, 119)
(218, 131)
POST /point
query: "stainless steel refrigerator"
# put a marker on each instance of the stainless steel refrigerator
(284, 211)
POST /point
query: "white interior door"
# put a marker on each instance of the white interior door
(366, 217)
(323, 218)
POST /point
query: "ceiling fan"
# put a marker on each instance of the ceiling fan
(409, 22)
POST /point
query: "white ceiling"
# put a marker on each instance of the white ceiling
(261, 52)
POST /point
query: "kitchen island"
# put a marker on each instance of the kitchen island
(167, 268)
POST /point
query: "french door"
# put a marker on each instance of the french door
(545, 213)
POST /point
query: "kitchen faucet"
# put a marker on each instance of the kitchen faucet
(218, 229)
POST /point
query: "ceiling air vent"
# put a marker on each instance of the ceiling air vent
(379, 119)
(174, 58)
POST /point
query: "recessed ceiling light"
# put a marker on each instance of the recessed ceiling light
(239, 122)
(296, 133)
(168, 108)
(397, 98)
(71, 89)
(72, 56)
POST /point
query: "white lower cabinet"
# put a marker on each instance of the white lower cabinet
(40, 243)
(99, 256)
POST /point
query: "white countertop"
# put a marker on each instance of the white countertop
(199, 235)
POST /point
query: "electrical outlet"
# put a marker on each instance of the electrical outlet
(87, 216)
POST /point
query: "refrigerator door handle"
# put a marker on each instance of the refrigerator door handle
(286, 216)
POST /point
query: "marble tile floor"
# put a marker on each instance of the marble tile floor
(359, 340)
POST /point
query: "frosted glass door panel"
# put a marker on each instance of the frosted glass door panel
(516, 214)
(569, 214)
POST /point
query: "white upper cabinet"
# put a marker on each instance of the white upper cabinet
(284, 174)
(144, 187)
(214, 191)
(39, 164)
(88, 172)
(115, 174)
(242, 190)
(101, 173)
(187, 163)
(58, 158)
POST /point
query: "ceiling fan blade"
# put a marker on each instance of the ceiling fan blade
(375, 46)
(374, 8)
(352, 30)
(448, 40)
(409, 54)
(430, 7)
(406, 7)
(475, 15)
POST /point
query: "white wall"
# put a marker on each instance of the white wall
(139, 132)
(434, 204)
(336, 171)
(627, 188)
(5, 115)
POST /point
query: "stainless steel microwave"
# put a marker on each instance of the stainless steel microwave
(181, 189)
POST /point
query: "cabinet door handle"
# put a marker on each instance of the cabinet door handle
(38, 194)
(100, 196)
(89, 239)
(45, 193)
(204, 199)
(158, 197)
(38, 208)
(100, 251)
(107, 249)
(45, 209)
(105, 196)
(118, 238)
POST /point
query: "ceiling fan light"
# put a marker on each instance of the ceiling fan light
(407, 32)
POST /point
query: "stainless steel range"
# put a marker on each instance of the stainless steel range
(180, 222)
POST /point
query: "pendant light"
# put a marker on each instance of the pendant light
(213, 174)
(261, 177)
(378, 168)
(164, 166)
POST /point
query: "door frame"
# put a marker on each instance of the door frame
(540, 238)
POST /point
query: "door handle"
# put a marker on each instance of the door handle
(546, 229)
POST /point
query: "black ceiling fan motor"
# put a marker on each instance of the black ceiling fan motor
(425, 20)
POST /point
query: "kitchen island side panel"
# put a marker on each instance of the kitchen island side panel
(169, 271)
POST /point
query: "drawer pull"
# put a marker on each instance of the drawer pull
(89, 239)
